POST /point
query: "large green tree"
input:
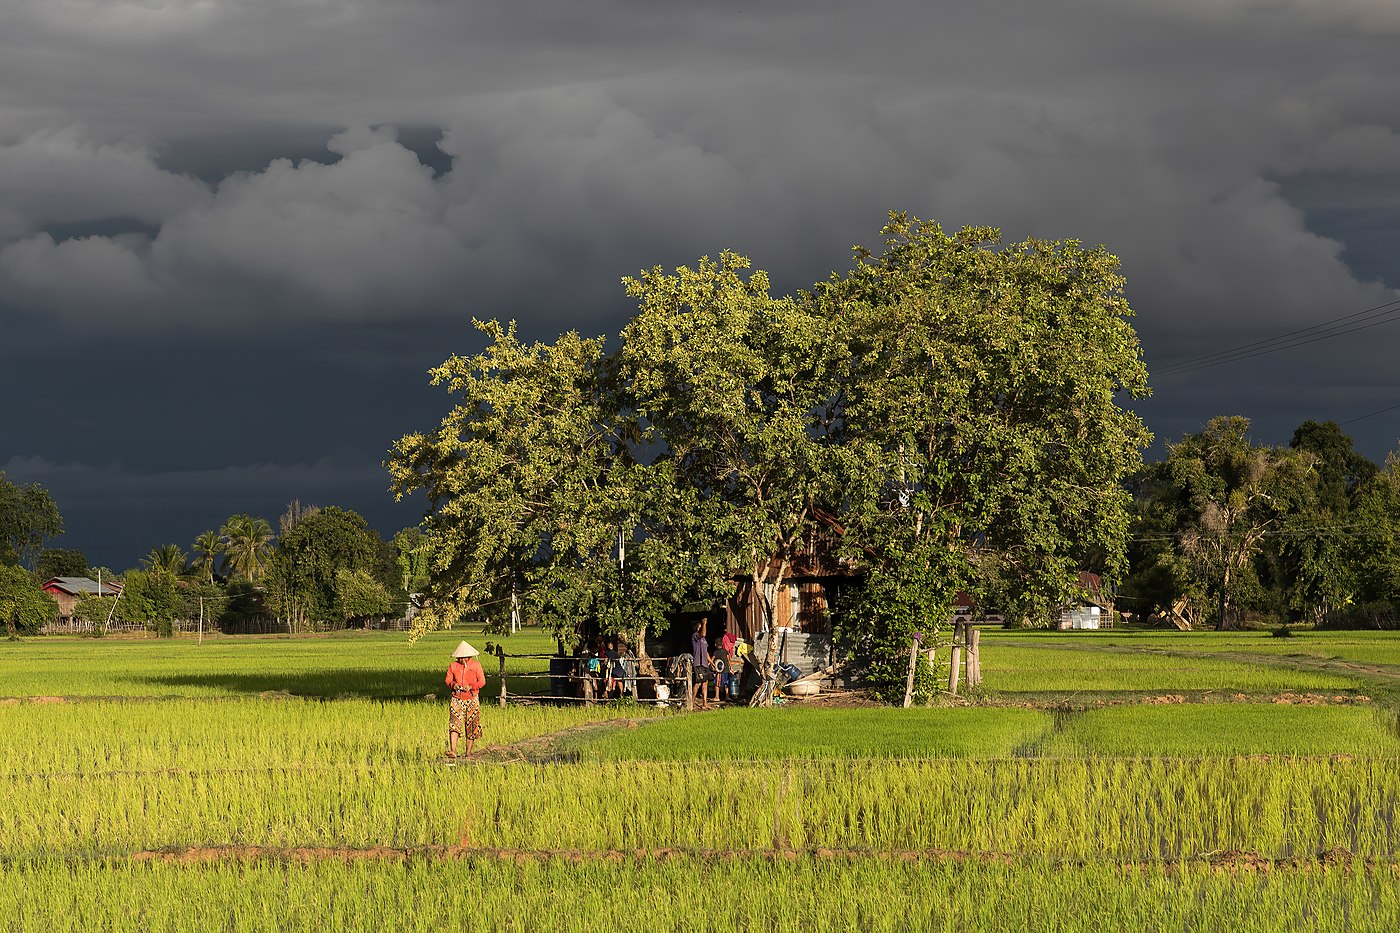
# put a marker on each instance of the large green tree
(302, 570)
(61, 562)
(736, 388)
(987, 442)
(534, 497)
(24, 608)
(1218, 497)
(948, 410)
(29, 519)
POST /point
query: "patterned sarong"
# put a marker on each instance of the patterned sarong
(465, 718)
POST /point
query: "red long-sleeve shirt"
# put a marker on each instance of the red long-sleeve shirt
(466, 674)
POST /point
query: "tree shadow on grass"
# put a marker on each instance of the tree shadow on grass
(338, 683)
(325, 684)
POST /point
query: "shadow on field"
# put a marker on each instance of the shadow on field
(326, 684)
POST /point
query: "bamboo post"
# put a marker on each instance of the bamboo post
(500, 653)
(909, 681)
(201, 620)
(957, 659)
(689, 687)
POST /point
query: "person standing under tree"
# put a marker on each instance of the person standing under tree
(465, 678)
(700, 660)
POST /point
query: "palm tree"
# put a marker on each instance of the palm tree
(208, 547)
(167, 560)
(245, 543)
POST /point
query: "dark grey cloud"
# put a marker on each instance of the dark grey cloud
(242, 229)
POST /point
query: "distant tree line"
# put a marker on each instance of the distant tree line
(322, 567)
(1228, 532)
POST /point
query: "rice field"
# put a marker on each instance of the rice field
(296, 784)
(424, 896)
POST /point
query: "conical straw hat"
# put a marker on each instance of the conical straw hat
(465, 650)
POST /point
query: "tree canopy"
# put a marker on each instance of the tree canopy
(29, 519)
(945, 412)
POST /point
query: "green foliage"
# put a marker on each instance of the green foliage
(150, 597)
(167, 560)
(95, 610)
(359, 596)
(24, 608)
(301, 576)
(28, 519)
(60, 562)
(948, 410)
(986, 443)
(1215, 500)
(413, 557)
(208, 551)
(900, 600)
(532, 488)
(245, 543)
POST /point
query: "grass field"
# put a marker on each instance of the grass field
(295, 784)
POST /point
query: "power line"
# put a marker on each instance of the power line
(1386, 313)
(1371, 415)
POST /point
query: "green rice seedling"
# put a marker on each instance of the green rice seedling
(95, 737)
(1074, 668)
(689, 894)
(1228, 729)
(826, 733)
(1148, 809)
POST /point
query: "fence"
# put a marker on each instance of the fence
(255, 625)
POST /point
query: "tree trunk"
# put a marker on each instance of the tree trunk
(1220, 623)
(768, 679)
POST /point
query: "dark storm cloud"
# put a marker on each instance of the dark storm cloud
(227, 178)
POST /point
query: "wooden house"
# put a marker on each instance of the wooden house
(66, 591)
(802, 604)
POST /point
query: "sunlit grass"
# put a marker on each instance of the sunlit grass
(1228, 729)
(100, 736)
(1018, 668)
(362, 664)
(692, 894)
(826, 733)
(1152, 809)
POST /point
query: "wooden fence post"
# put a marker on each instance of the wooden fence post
(501, 653)
(909, 681)
(957, 659)
(974, 657)
(689, 687)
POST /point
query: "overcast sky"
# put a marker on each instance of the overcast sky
(234, 234)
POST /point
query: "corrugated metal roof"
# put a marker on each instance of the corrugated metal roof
(82, 586)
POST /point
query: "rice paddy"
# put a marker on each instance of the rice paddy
(292, 784)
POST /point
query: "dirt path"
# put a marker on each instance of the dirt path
(551, 747)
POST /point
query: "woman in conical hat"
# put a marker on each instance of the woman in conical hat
(465, 678)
